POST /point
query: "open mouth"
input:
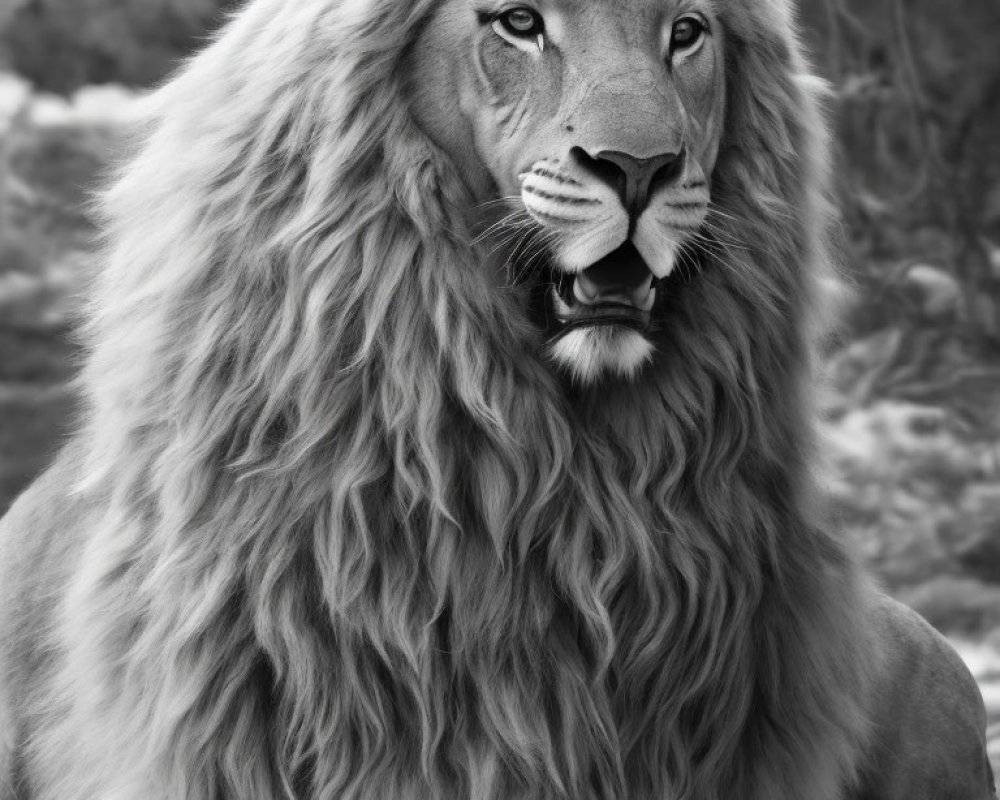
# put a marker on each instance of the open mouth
(617, 290)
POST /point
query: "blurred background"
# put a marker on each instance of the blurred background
(912, 416)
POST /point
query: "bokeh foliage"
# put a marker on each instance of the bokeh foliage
(917, 114)
(64, 44)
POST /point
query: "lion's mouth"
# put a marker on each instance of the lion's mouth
(617, 290)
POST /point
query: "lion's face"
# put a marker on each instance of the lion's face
(595, 124)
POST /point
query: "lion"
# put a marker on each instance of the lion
(446, 434)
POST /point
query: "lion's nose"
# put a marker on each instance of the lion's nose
(633, 178)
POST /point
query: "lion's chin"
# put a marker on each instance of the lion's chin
(589, 353)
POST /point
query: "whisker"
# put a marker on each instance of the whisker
(528, 252)
(723, 234)
(513, 199)
(535, 249)
(509, 263)
(514, 220)
(509, 236)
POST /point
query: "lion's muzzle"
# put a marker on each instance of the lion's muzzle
(633, 178)
(614, 225)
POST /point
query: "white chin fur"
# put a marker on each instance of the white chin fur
(589, 353)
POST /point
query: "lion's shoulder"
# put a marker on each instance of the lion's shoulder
(928, 715)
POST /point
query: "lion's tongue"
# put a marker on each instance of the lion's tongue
(620, 277)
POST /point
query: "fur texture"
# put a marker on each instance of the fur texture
(356, 539)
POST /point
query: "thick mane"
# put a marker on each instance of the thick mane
(361, 542)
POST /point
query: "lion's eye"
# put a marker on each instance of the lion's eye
(686, 33)
(521, 23)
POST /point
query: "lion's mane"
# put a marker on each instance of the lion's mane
(357, 540)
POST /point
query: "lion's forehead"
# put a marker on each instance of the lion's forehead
(600, 77)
